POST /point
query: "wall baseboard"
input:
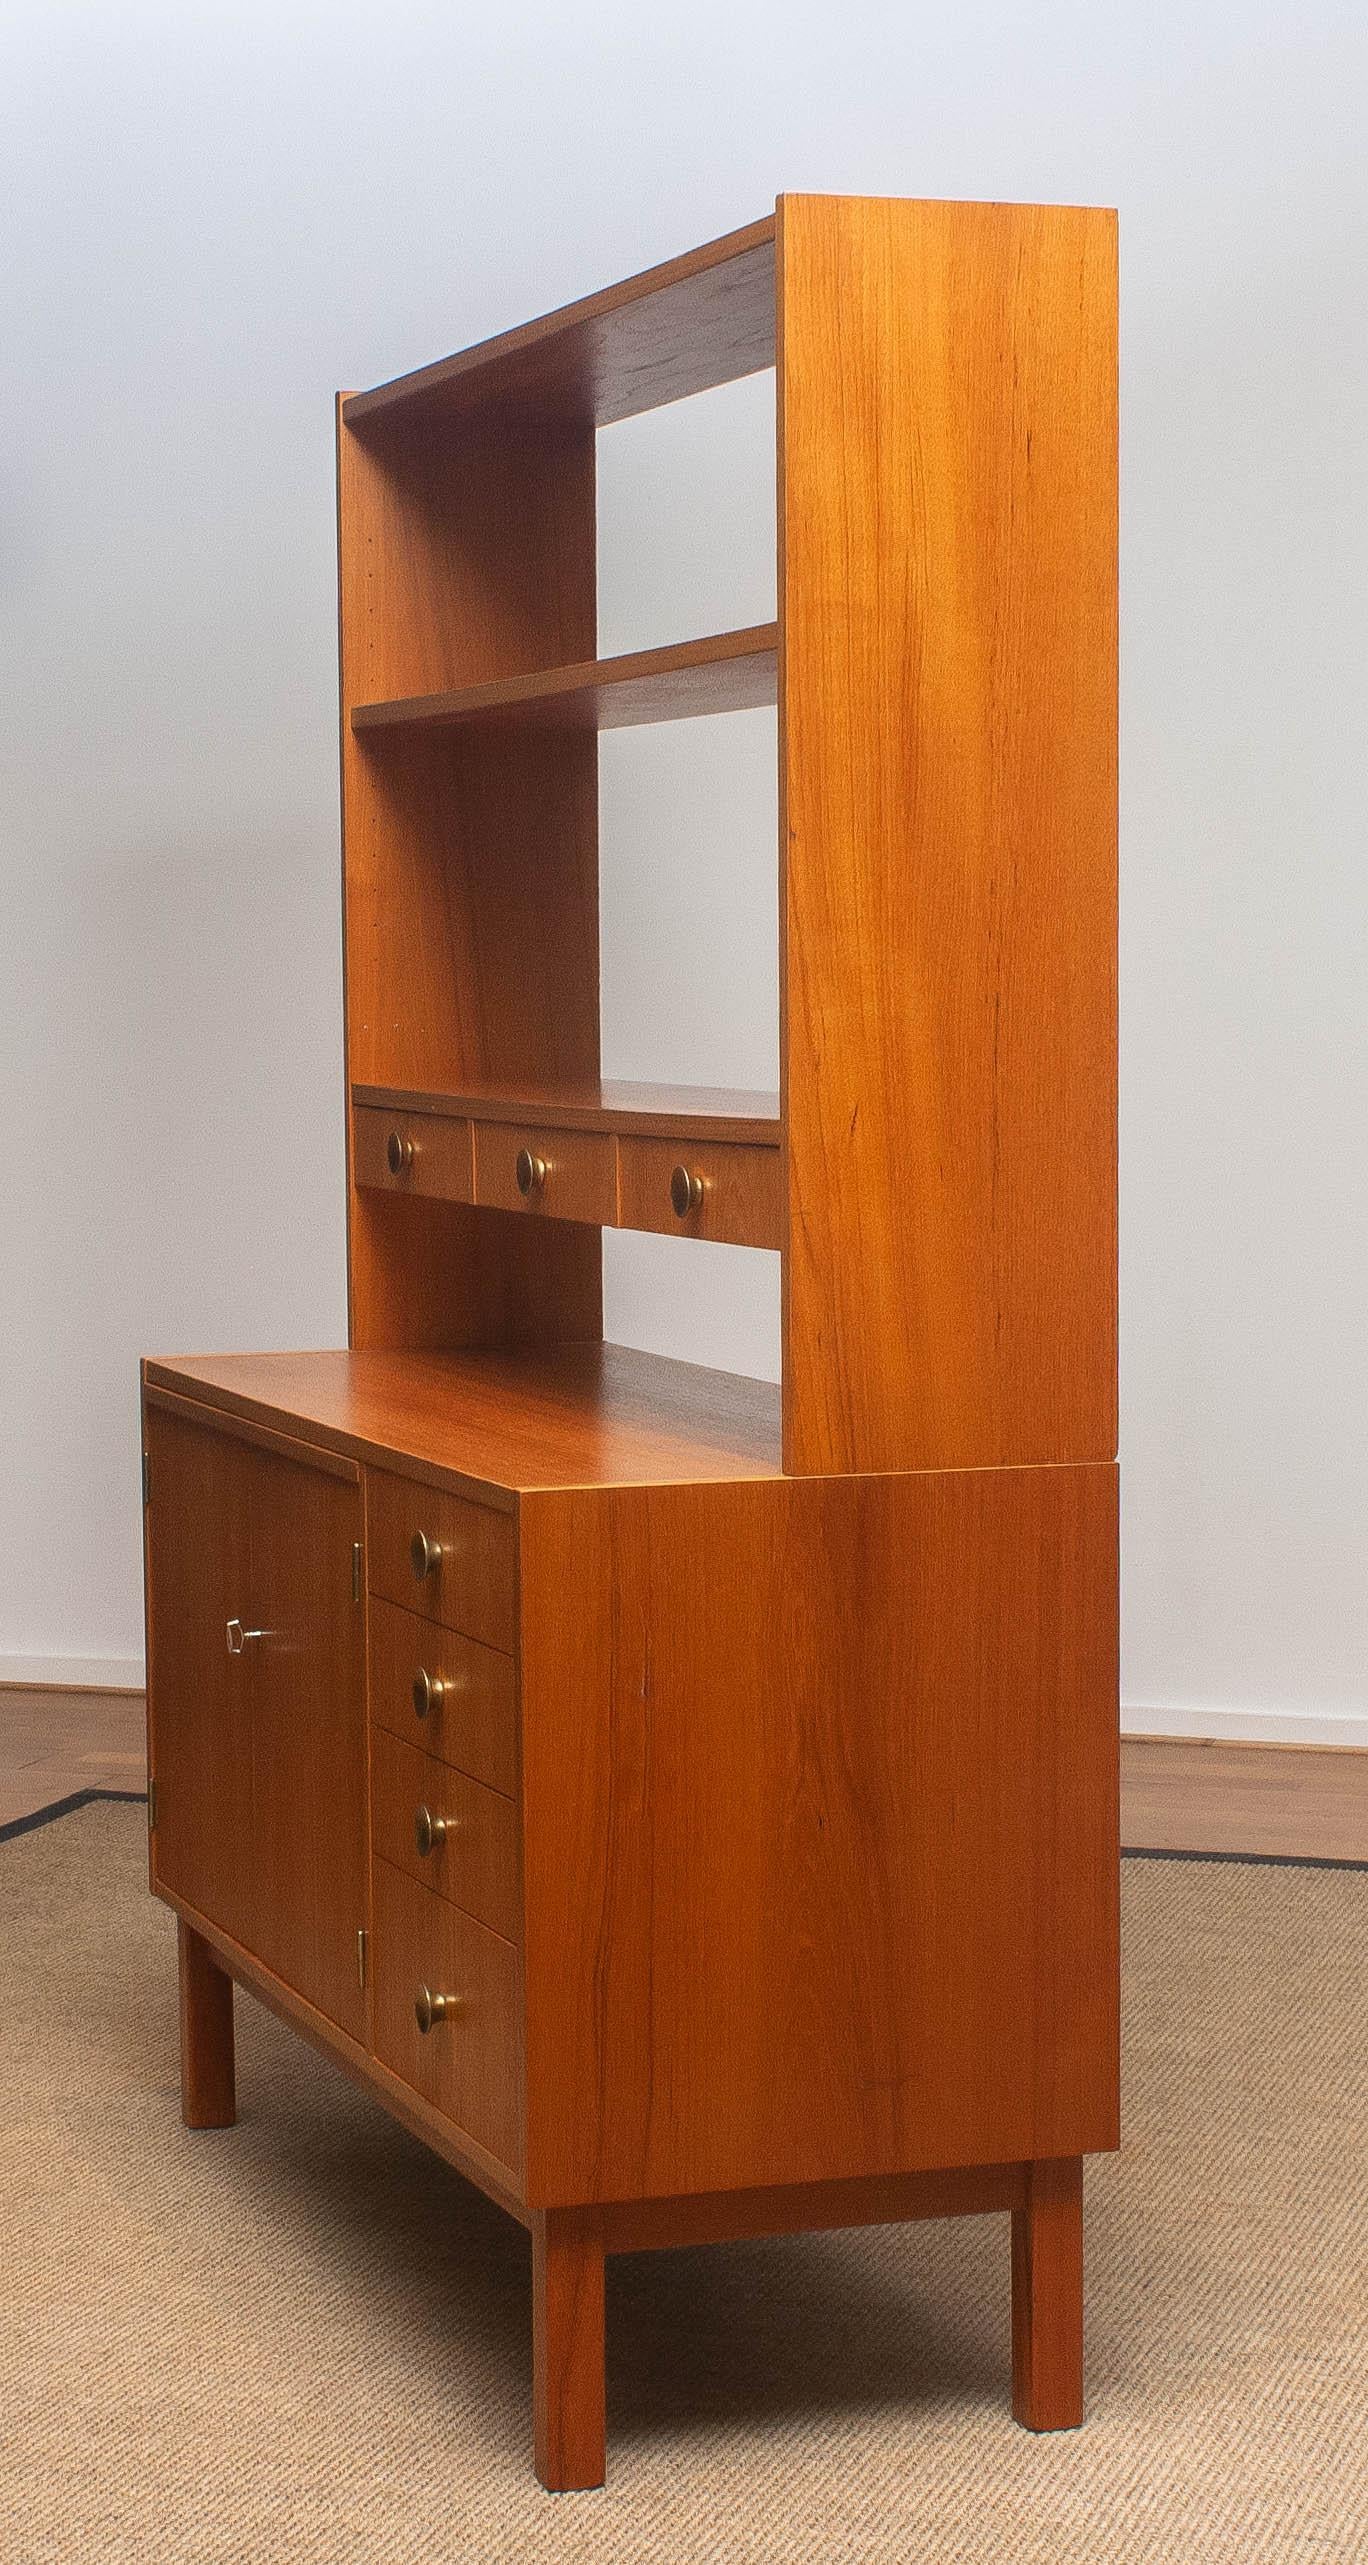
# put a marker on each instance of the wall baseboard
(1251, 1727)
(71, 1674)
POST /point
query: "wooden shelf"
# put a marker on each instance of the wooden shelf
(724, 672)
(684, 327)
(743, 1116)
(503, 1424)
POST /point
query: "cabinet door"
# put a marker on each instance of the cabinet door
(309, 1819)
(256, 1674)
(199, 1706)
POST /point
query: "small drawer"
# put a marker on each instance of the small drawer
(443, 1555)
(445, 1694)
(433, 1961)
(703, 1189)
(425, 1153)
(565, 1175)
(414, 1152)
(446, 1831)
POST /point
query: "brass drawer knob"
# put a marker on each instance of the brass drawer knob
(429, 1832)
(430, 2009)
(398, 1153)
(425, 1555)
(530, 1172)
(429, 1691)
(686, 1192)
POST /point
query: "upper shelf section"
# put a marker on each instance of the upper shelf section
(726, 672)
(700, 320)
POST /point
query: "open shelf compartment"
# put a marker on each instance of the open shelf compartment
(683, 327)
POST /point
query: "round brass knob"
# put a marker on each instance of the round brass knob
(398, 1153)
(430, 2009)
(430, 1832)
(428, 1693)
(530, 1172)
(425, 1555)
(686, 1192)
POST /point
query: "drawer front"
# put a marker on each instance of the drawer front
(469, 2065)
(447, 1831)
(445, 1694)
(573, 1173)
(722, 1191)
(443, 1556)
(424, 1153)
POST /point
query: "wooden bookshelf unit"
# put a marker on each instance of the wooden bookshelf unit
(691, 1805)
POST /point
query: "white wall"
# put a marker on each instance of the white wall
(217, 214)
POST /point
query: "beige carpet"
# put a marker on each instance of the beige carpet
(305, 2340)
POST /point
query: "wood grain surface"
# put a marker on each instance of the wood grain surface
(680, 328)
(471, 1718)
(472, 1581)
(723, 672)
(583, 1416)
(568, 2420)
(476, 1862)
(1047, 2297)
(468, 2067)
(259, 1757)
(740, 1190)
(746, 1115)
(438, 1153)
(947, 403)
(580, 1178)
(820, 1855)
(208, 2084)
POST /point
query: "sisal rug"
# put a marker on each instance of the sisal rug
(304, 2342)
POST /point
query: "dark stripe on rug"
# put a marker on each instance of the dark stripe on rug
(63, 1808)
(1246, 1860)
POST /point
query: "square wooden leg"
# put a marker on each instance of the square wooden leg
(208, 2085)
(1047, 2297)
(567, 2349)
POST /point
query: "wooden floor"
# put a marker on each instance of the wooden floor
(1176, 1796)
(1307, 1802)
(52, 1743)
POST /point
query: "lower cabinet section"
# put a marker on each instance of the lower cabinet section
(434, 1964)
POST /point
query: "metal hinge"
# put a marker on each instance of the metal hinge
(356, 1571)
(361, 1957)
(151, 1807)
(147, 1478)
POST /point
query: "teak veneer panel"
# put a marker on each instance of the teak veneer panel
(471, 1717)
(739, 1196)
(676, 329)
(725, 672)
(494, 1424)
(820, 1841)
(947, 432)
(746, 1115)
(470, 2068)
(475, 1863)
(471, 1582)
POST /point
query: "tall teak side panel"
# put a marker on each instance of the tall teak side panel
(947, 438)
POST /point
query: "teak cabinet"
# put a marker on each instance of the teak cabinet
(691, 1806)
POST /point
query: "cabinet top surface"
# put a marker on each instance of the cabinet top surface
(502, 1424)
